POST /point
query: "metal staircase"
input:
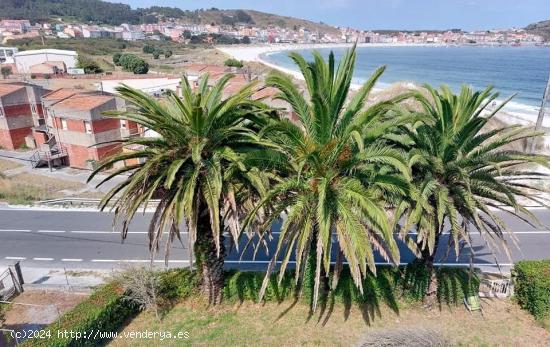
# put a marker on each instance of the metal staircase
(48, 154)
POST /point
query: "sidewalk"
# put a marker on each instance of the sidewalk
(64, 173)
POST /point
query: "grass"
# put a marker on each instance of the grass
(289, 324)
(8, 165)
(26, 188)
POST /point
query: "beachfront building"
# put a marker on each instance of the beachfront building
(75, 120)
(24, 61)
(20, 111)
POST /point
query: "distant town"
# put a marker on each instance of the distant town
(245, 33)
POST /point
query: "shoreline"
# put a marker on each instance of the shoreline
(514, 113)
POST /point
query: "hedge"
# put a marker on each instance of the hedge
(389, 286)
(105, 310)
(532, 286)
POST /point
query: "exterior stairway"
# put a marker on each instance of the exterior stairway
(48, 154)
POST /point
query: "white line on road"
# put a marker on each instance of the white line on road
(92, 232)
(135, 261)
(51, 231)
(43, 259)
(16, 258)
(376, 263)
(70, 259)
(17, 230)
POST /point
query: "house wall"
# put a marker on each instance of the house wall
(18, 118)
(24, 62)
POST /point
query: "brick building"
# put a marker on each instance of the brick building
(75, 119)
(20, 111)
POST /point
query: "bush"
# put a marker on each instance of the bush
(116, 58)
(88, 64)
(6, 71)
(389, 285)
(105, 310)
(133, 63)
(233, 63)
(532, 286)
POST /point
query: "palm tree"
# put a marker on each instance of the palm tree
(199, 167)
(462, 171)
(338, 176)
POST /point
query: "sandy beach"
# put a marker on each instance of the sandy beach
(254, 53)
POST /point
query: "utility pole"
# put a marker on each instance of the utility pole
(540, 117)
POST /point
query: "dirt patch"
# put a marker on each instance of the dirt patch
(8, 165)
(34, 309)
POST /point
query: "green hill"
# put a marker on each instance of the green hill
(540, 28)
(101, 12)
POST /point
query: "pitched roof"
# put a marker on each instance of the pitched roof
(6, 89)
(265, 93)
(60, 94)
(84, 102)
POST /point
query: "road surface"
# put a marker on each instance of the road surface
(76, 239)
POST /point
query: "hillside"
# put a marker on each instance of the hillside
(540, 28)
(257, 18)
(101, 12)
(96, 11)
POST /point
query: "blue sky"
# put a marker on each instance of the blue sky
(387, 14)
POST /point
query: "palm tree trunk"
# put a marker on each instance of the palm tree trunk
(208, 262)
(430, 297)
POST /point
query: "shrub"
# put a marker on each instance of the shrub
(142, 287)
(89, 65)
(105, 310)
(233, 63)
(6, 71)
(148, 49)
(532, 286)
(116, 58)
(177, 284)
(133, 63)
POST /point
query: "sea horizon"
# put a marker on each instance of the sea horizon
(510, 70)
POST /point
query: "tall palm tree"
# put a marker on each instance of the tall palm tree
(199, 167)
(463, 172)
(339, 173)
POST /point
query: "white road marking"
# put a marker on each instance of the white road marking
(17, 230)
(135, 261)
(43, 259)
(16, 258)
(70, 259)
(92, 232)
(51, 231)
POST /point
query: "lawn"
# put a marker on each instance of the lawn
(285, 324)
(26, 188)
(8, 165)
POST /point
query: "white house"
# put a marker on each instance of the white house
(6, 54)
(24, 60)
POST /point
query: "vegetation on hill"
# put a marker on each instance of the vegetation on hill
(95, 11)
(260, 19)
(540, 28)
(101, 12)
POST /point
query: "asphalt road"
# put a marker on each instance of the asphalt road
(86, 240)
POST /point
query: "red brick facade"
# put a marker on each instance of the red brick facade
(14, 138)
(79, 156)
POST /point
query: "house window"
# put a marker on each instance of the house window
(88, 127)
(122, 124)
(64, 124)
(33, 108)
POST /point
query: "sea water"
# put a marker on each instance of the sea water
(510, 70)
